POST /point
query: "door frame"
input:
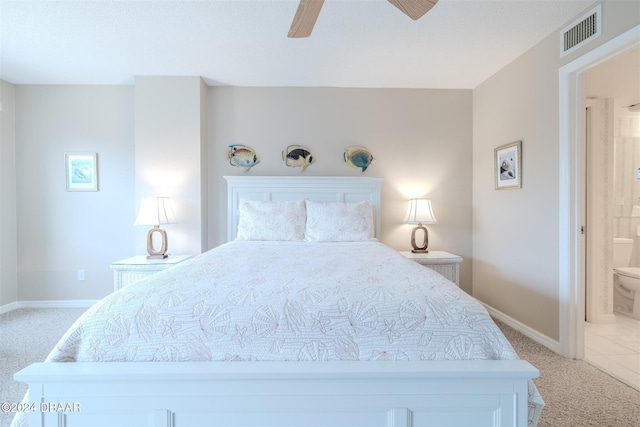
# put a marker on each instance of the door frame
(572, 209)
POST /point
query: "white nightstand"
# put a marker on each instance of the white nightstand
(443, 262)
(131, 270)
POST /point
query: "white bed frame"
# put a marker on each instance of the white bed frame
(282, 394)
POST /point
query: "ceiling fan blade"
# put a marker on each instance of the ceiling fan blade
(305, 18)
(414, 9)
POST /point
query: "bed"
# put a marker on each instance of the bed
(302, 319)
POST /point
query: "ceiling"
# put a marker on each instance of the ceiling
(366, 43)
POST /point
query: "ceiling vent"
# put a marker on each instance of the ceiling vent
(585, 29)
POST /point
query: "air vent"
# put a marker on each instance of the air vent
(586, 28)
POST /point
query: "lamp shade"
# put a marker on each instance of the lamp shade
(155, 211)
(419, 211)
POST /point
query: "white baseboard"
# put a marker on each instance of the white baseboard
(538, 337)
(47, 304)
(8, 307)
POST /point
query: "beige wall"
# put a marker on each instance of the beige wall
(516, 232)
(420, 138)
(60, 232)
(168, 140)
(8, 234)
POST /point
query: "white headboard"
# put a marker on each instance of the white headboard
(315, 188)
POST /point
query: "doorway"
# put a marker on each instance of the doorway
(572, 212)
(612, 341)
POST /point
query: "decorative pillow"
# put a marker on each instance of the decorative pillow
(339, 222)
(260, 220)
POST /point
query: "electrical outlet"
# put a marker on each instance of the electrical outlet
(80, 275)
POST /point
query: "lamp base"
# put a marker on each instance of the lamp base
(160, 256)
(151, 250)
(419, 251)
(423, 247)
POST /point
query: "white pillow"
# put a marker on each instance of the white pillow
(260, 220)
(339, 222)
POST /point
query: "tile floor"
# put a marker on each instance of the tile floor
(615, 348)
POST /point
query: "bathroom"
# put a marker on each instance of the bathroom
(612, 334)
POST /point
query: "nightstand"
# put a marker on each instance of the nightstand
(442, 262)
(131, 270)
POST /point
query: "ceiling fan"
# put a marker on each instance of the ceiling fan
(308, 11)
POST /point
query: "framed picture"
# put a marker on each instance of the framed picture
(508, 166)
(82, 171)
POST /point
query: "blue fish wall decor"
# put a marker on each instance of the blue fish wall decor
(242, 156)
(358, 157)
(297, 156)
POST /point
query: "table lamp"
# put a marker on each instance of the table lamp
(420, 212)
(156, 211)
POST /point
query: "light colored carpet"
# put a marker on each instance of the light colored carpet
(27, 336)
(576, 394)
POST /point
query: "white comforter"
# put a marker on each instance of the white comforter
(288, 301)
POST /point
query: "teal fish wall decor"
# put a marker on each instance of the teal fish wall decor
(297, 156)
(242, 156)
(358, 157)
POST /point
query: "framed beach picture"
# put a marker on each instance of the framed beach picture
(508, 166)
(82, 171)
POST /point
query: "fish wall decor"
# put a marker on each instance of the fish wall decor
(358, 157)
(242, 156)
(297, 156)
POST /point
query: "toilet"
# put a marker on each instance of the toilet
(626, 280)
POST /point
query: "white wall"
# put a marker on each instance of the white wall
(60, 232)
(626, 161)
(168, 140)
(516, 232)
(420, 138)
(8, 211)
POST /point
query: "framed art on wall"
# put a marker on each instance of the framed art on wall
(81, 171)
(508, 166)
